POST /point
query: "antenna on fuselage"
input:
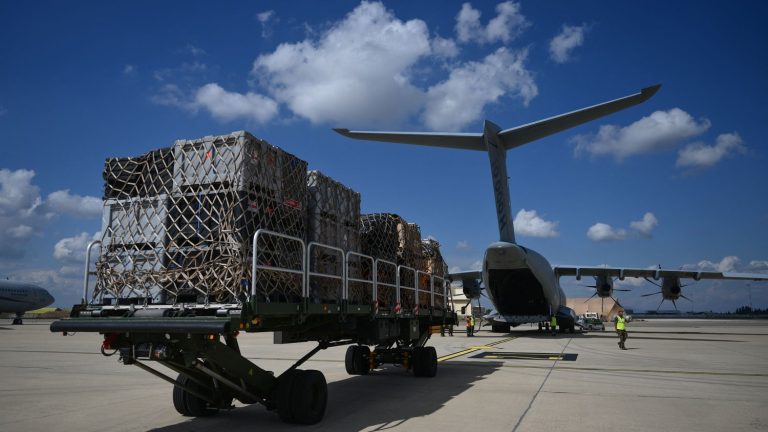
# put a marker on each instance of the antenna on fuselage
(497, 142)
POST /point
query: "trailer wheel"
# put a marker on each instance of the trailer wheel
(356, 360)
(424, 362)
(310, 392)
(188, 404)
(302, 396)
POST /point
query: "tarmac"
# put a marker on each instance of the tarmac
(682, 375)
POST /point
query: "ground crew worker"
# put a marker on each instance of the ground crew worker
(472, 328)
(553, 325)
(621, 328)
(469, 325)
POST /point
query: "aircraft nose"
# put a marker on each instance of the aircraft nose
(48, 298)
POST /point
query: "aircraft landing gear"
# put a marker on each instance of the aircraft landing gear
(17, 320)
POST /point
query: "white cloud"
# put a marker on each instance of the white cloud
(193, 50)
(528, 223)
(758, 264)
(24, 214)
(445, 48)
(661, 130)
(228, 106)
(506, 26)
(357, 72)
(630, 282)
(62, 202)
(72, 249)
(645, 226)
(727, 264)
(266, 19)
(605, 232)
(700, 155)
(460, 100)
(129, 70)
(463, 245)
(570, 38)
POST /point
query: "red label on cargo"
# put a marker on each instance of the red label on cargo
(292, 203)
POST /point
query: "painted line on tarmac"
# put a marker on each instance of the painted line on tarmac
(473, 349)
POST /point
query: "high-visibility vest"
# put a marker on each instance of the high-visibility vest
(553, 322)
(620, 323)
(472, 321)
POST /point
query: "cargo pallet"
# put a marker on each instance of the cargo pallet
(198, 341)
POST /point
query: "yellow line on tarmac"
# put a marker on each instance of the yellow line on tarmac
(473, 349)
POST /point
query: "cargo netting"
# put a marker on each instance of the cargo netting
(178, 222)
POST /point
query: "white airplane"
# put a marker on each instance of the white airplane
(19, 297)
(521, 284)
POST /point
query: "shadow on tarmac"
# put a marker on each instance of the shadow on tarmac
(535, 334)
(385, 398)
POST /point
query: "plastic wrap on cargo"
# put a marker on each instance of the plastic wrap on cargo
(178, 222)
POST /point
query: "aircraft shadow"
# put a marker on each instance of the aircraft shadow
(535, 334)
(387, 397)
(5, 328)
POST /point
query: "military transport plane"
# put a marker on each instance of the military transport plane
(521, 284)
(19, 297)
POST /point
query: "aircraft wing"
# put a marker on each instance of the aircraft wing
(524, 134)
(622, 272)
(460, 276)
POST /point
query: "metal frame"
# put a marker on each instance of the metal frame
(255, 267)
(415, 287)
(376, 282)
(88, 272)
(309, 273)
(347, 279)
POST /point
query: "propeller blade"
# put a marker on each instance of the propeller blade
(657, 308)
(686, 298)
(675, 304)
(602, 306)
(589, 286)
(646, 295)
(625, 290)
(617, 302)
(590, 297)
(648, 280)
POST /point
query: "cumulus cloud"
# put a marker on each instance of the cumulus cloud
(700, 155)
(570, 38)
(62, 202)
(445, 48)
(357, 72)
(129, 70)
(192, 50)
(460, 100)
(266, 19)
(529, 223)
(646, 225)
(661, 130)
(758, 264)
(227, 106)
(72, 249)
(463, 245)
(23, 212)
(727, 264)
(604, 232)
(507, 25)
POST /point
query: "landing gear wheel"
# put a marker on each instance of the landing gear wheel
(188, 404)
(424, 362)
(17, 321)
(302, 396)
(356, 361)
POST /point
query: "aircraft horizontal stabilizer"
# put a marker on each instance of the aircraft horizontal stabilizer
(467, 141)
(524, 134)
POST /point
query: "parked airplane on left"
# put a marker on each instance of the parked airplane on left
(19, 297)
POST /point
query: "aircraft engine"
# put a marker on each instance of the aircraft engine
(671, 289)
(471, 288)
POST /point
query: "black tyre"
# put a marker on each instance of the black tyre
(356, 361)
(284, 395)
(417, 361)
(429, 360)
(310, 397)
(188, 404)
(349, 360)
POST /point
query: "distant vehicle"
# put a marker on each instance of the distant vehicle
(593, 324)
(591, 315)
(20, 297)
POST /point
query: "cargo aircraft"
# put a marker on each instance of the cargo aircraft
(520, 283)
(19, 297)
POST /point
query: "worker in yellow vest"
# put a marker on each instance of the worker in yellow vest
(553, 325)
(621, 328)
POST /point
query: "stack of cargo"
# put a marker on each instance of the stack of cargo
(178, 222)
(433, 264)
(333, 215)
(390, 237)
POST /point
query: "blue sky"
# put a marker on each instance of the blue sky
(678, 181)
